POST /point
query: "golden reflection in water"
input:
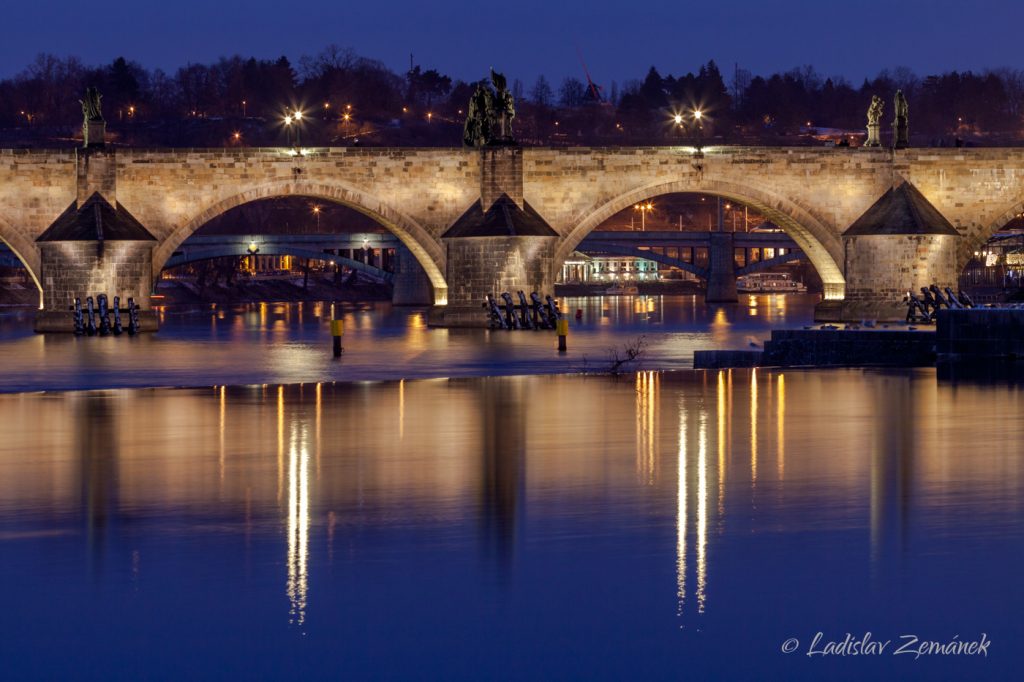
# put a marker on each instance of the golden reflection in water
(401, 409)
(780, 424)
(646, 425)
(297, 584)
(721, 441)
(319, 428)
(702, 513)
(753, 427)
(681, 512)
(719, 326)
(280, 442)
(220, 431)
(263, 315)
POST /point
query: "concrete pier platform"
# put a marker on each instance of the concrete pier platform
(979, 334)
(49, 322)
(830, 346)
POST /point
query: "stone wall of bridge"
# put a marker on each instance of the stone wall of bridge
(814, 193)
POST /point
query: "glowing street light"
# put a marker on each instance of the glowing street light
(644, 209)
(316, 212)
(294, 119)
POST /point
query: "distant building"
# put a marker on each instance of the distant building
(581, 268)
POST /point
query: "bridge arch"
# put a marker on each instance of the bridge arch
(425, 247)
(26, 251)
(822, 246)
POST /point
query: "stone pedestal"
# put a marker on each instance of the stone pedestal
(900, 135)
(721, 286)
(96, 174)
(478, 266)
(94, 134)
(411, 284)
(501, 172)
(874, 135)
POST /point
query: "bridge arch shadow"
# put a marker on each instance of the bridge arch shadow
(821, 246)
(196, 255)
(425, 247)
(25, 251)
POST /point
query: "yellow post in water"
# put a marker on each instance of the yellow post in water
(562, 328)
(337, 331)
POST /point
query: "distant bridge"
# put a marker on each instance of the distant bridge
(643, 245)
(323, 247)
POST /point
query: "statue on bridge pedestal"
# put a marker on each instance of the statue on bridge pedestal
(875, 122)
(94, 127)
(489, 115)
(900, 124)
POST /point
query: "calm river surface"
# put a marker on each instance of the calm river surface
(288, 343)
(661, 525)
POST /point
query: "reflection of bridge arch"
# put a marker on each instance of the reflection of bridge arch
(26, 252)
(822, 246)
(221, 251)
(425, 247)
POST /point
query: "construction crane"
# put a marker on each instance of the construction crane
(593, 89)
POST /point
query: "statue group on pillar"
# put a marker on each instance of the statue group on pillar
(900, 123)
(93, 124)
(489, 115)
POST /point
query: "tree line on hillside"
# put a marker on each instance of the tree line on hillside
(350, 99)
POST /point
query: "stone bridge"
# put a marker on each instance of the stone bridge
(495, 219)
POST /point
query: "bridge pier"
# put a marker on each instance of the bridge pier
(499, 244)
(900, 244)
(411, 284)
(94, 247)
(721, 287)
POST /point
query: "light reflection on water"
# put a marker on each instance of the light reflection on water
(509, 527)
(291, 343)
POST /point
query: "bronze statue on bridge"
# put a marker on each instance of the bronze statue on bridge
(489, 115)
(94, 127)
(900, 124)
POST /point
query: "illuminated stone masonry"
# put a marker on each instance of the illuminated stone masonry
(815, 194)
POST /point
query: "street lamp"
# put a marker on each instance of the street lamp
(293, 121)
(316, 212)
(288, 126)
(644, 209)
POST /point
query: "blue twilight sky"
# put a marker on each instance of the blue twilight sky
(619, 39)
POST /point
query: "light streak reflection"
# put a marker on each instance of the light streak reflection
(702, 514)
(297, 585)
(780, 419)
(753, 427)
(681, 513)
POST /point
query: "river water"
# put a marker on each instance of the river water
(658, 525)
(290, 343)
